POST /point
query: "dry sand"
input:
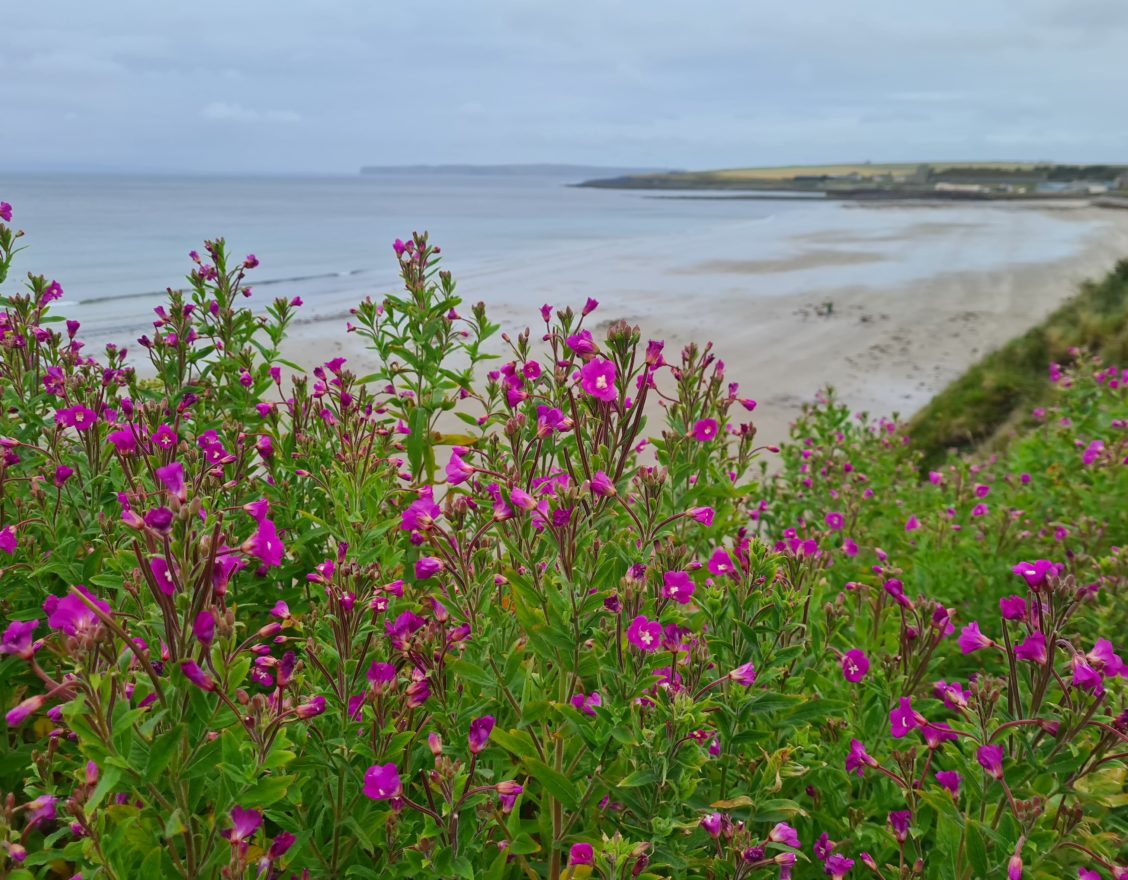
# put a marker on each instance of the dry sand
(884, 349)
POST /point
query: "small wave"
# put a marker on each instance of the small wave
(289, 279)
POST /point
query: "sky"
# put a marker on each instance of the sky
(325, 86)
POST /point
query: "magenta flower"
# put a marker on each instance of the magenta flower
(644, 634)
(204, 628)
(912, 524)
(73, 616)
(457, 470)
(835, 521)
(678, 586)
(899, 821)
(479, 735)
(421, 514)
(950, 780)
(785, 834)
(971, 639)
(382, 782)
(1035, 573)
(5, 212)
(25, 710)
(597, 378)
(17, 639)
(507, 793)
(1105, 660)
(1032, 649)
(311, 708)
(165, 438)
(41, 811)
(703, 515)
(8, 540)
(855, 665)
(197, 676)
(838, 866)
(587, 704)
(265, 545)
(582, 345)
(162, 574)
(720, 563)
(704, 430)
(581, 854)
(123, 440)
(1014, 867)
(858, 758)
(897, 590)
(744, 675)
(244, 824)
(172, 478)
(990, 758)
(601, 485)
(1012, 607)
(427, 567)
(712, 823)
(903, 719)
(1085, 676)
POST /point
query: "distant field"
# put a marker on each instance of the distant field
(786, 172)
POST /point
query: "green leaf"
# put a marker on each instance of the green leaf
(107, 780)
(556, 784)
(161, 752)
(266, 791)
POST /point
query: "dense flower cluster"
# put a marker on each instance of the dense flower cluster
(263, 623)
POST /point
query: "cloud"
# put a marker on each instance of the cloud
(222, 111)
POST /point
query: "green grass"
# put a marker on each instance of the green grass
(983, 407)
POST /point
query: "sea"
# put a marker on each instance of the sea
(116, 242)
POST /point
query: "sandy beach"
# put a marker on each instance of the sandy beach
(885, 347)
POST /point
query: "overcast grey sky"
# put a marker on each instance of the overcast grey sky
(326, 86)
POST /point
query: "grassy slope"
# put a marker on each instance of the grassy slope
(1000, 390)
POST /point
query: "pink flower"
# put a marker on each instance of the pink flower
(1035, 573)
(597, 378)
(980, 510)
(990, 758)
(785, 834)
(855, 665)
(1032, 649)
(644, 634)
(587, 704)
(162, 574)
(971, 639)
(1012, 607)
(457, 470)
(24, 710)
(904, 719)
(950, 780)
(480, 730)
(744, 675)
(197, 676)
(712, 823)
(17, 639)
(165, 438)
(601, 485)
(382, 782)
(8, 540)
(678, 586)
(835, 521)
(204, 627)
(5, 212)
(704, 430)
(71, 615)
(245, 823)
(858, 758)
(703, 515)
(838, 866)
(427, 567)
(172, 478)
(581, 854)
(1014, 867)
(720, 563)
(912, 524)
(265, 545)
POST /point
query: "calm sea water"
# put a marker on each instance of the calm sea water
(116, 242)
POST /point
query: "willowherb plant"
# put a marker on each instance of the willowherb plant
(268, 624)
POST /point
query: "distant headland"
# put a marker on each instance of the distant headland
(577, 172)
(963, 181)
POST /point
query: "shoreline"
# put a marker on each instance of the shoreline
(884, 348)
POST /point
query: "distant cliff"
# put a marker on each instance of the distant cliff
(579, 172)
